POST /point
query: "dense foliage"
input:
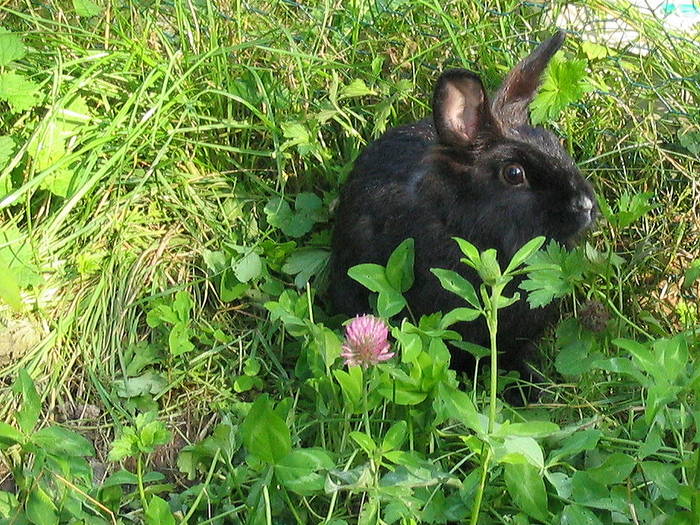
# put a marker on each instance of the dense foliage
(168, 176)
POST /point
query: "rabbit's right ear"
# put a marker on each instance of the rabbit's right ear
(460, 107)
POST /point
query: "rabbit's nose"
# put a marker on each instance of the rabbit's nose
(583, 204)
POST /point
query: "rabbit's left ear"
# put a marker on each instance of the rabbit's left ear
(510, 103)
(460, 107)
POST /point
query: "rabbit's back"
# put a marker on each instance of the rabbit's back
(379, 207)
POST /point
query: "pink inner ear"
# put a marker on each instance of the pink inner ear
(462, 107)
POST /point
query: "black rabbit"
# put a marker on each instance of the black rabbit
(477, 170)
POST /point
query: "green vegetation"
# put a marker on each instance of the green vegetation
(168, 173)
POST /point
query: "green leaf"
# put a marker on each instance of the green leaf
(526, 487)
(303, 470)
(28, 415)
(469, 250)
(265, 434)
(9, 289)
(86, 8)
(59, 441)
(399, 267)
(578, 515)
(395, 436)
(488, 268)
(661, 474)
(574, 444)
(536, 429)
(124, 446)
(248, 268)
(148, 383)
(455, 404)
(18, 92)
(373, 277)
(691, 274)
(552, 274)
(9, 505)
(411, 343)
(356, 88)
(9, 436)
(179, 339)
(158, 512)
(351, 384)
(309, 210)
(39, 507)
(11, 47)
(459, 315)
(16, 254)
(305, 263)
(455, 283)
(517, 449)
(615, 469)
(524, 253)
(564, 83)
(182, 305)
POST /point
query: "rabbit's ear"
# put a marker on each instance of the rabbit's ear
(510, 103)
(460, 106)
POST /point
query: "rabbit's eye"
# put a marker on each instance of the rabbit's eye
(513, 174)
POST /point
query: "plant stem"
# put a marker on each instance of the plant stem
(486, 455)
(139, 477)
(492, 323)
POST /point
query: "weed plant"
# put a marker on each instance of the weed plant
(168, 174)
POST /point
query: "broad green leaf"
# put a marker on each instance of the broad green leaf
(18, 92)
(369, 515)
(303, 470)
(231, 288)
(399, 267)
(147, 383)
(9, 505)
(459, 315)
(574, 444)
(28, 414)
(9, 436)
(455, 404)
(158, 511)
(642, 355)
(469, 250)
(691, 274)
(455, 283)
(182, 305)
(365, 441)
(11, 48)
(411, 344)
(121, 477)
(351, 383)
(526, 487)
(305, 263)
(662, 475)
(615, 469)
(371, 276)
(39, 507)
(7, 148)
(86, 8)
(265, 434)
(673, 356)
(586, 491)
(578, 515)
(179, 339)
(536, 429)
(59, 441)
(390, 303)
(124, 446)
(564, 83)
(16, 253)
(248, 268)
(516, 450)
(524, 253)
(9, 290)
(395, 436)
(356, 88)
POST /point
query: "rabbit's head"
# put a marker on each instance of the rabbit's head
(519, 180)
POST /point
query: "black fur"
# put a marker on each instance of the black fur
(441, 178)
